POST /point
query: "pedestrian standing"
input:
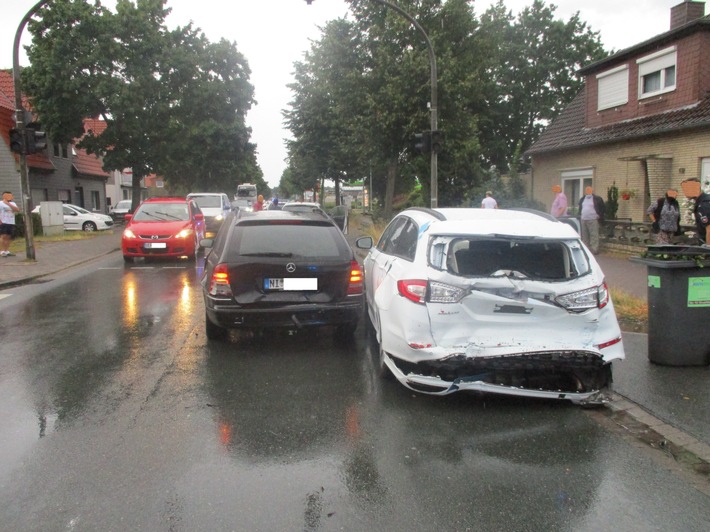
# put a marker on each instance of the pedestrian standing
(489, 202)
(591, 214)
(259, 205)
(665, 215)
(559, 205)
(8, 208)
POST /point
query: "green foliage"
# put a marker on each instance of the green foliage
(21, 230)
(362, 92)
(612, 202)
(173, 103)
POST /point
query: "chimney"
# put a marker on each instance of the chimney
(686, 12)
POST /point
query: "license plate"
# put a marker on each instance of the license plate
(291, 283)
(155, 245)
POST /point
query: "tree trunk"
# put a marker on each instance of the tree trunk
(389, 189)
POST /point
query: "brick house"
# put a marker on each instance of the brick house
(642, 121)
(60, 173)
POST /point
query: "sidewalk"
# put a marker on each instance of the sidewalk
(53, 257)
(673, 402)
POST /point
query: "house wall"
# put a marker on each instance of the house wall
(666, 161)
(9, 173)
(693, 77)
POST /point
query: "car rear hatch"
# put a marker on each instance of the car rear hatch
(503, 296)
(289, 262)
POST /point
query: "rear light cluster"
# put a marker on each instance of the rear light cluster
(596, 297)
(422, 291)
(219, 282)
(355, 285)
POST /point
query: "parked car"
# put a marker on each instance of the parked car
(490, 300)
(79, 219)
(163, 227)
(215, 206)
(280, 269)
(304, 206)
(118, 212)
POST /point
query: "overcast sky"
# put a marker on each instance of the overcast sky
(272, 34)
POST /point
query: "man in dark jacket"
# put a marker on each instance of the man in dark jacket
(702, 216)
(591, 215)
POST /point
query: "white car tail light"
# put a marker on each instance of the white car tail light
(355, 286)
(219, 282)
(413, 289)
(416, 290)
(596, 297)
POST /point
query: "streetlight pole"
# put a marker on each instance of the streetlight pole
(20, 124)
(432, 104)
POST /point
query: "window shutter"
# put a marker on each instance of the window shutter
(613, 88)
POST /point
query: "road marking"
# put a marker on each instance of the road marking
(3, 296)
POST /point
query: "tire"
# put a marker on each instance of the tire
(214, 332)
(127, 259)
(89, 226)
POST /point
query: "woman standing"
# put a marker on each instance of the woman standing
(665, 215)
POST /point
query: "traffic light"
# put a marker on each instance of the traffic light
(437, 141)
(17, 140)
(35, 140)
(422, 141)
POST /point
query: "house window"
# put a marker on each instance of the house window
(95, 200)
(613, 87)
(657, 72)
(573, 184)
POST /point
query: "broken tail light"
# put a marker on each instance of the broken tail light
(219, 282)
(355, 284)
(596, 297)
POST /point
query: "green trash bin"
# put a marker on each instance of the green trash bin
(678, 304)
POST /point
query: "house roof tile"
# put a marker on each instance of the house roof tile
(567, 131)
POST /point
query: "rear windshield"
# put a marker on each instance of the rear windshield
(208, 202)
(246, 192)
(161, 212)
(297, 240)
(534, 259)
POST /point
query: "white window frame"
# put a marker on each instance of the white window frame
(613, 88)
(658, 63)
(574, 182)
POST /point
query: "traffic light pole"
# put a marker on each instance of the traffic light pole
(432, 104)
(20, 124)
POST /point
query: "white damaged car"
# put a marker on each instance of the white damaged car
(491, 300)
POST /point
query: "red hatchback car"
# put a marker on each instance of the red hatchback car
(163, 227)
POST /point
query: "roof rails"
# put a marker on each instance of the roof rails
(432, 212)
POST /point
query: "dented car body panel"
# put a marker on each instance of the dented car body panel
(497, 301)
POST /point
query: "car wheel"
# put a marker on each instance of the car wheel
(127, 259)
(214, 332)
(89, 226)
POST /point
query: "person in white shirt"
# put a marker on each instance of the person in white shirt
(489, 202)
(8, 208)
(591, 214)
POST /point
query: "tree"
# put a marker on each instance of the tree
(174, 103)
(532, 72)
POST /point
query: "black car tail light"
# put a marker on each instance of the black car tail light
(355, 286)
(219, 282)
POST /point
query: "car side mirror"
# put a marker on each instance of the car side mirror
(199, 216)
(364, 242)
(206, 243)
(127, 217)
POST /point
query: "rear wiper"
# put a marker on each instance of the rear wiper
(267, 254)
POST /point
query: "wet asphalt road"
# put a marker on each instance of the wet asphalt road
(116, 413)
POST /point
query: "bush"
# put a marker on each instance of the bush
(20, 225)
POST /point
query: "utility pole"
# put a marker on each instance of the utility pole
(20, 125)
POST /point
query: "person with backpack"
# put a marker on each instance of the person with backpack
(665, 215)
